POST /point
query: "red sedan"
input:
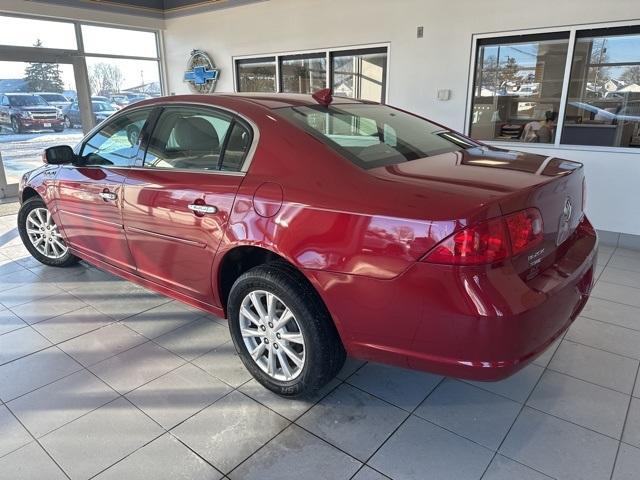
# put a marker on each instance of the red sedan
(323, 227)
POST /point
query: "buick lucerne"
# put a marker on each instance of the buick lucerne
(322, 227)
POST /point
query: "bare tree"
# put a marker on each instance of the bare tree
(631, 75)
(105, 79)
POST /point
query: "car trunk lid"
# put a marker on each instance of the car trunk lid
(495, 181)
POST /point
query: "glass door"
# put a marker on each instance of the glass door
(39, 108)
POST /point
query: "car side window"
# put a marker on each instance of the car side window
(188, 138)
(117, 143)
(5, 101)
(237, 148)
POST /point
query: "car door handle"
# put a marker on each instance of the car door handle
(202, 209)
(108, 196)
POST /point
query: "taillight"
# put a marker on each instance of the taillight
(525, 229)
(490, 241)
(483, 243)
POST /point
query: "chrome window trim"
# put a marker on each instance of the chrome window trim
(177, 170)
(248, 159)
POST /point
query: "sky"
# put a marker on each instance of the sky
(102, 40)
(619, 49)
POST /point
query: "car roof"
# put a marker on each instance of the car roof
(266, 100)
(23, 94)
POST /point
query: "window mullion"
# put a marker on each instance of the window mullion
(328, 70)
(565, 87)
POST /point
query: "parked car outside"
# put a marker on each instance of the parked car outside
(119, 100)
(27, 111)
(134, 97)
(323, 227)
(101, 111)
(114, 105)
(55, 99)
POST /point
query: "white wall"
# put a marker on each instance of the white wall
(417, 67)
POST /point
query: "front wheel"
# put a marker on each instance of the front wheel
(282, 330)
(40, 235)
(67, 122)
(16, 126)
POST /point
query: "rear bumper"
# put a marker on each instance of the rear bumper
(481, 323)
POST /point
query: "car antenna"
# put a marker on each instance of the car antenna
(323, 97)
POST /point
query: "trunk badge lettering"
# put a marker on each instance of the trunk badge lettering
(536, 257)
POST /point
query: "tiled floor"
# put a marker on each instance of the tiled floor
(101, 378)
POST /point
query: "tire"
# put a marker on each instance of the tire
(322, 351)
(133, 134)
(32, 210)
(16, 126)
(58, 130)
(67, 122)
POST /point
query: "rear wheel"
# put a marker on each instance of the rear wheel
(41, 236)
(282, 330)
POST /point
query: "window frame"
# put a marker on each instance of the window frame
(327, 52)
(573, 31)
(301, 56)
(223, 142)
(259, 59)
(156, 110)
(78, 56)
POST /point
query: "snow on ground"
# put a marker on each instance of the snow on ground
(23, 152)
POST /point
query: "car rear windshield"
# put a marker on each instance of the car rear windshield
(372, 135)
(26, 100)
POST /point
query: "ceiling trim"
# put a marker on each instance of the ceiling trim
(152, 8)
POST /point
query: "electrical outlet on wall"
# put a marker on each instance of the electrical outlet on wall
(444, 94)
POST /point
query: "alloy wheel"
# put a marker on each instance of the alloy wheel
(44, 235)
(67, 122)
(15, 125)
(272, 335)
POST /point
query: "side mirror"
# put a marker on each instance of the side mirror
(59, 155)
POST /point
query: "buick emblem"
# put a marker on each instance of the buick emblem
(201, 74)
(568, 208)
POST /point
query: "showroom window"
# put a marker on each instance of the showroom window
(355, 73)
(83, 72)
(576, 87)
(29, 32)
(256, 74)
(360, 74)
(603, 104)
(125, 69)
(517, 88)
(303, 73)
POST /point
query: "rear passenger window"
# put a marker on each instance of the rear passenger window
(188, 139)
(237, 148)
